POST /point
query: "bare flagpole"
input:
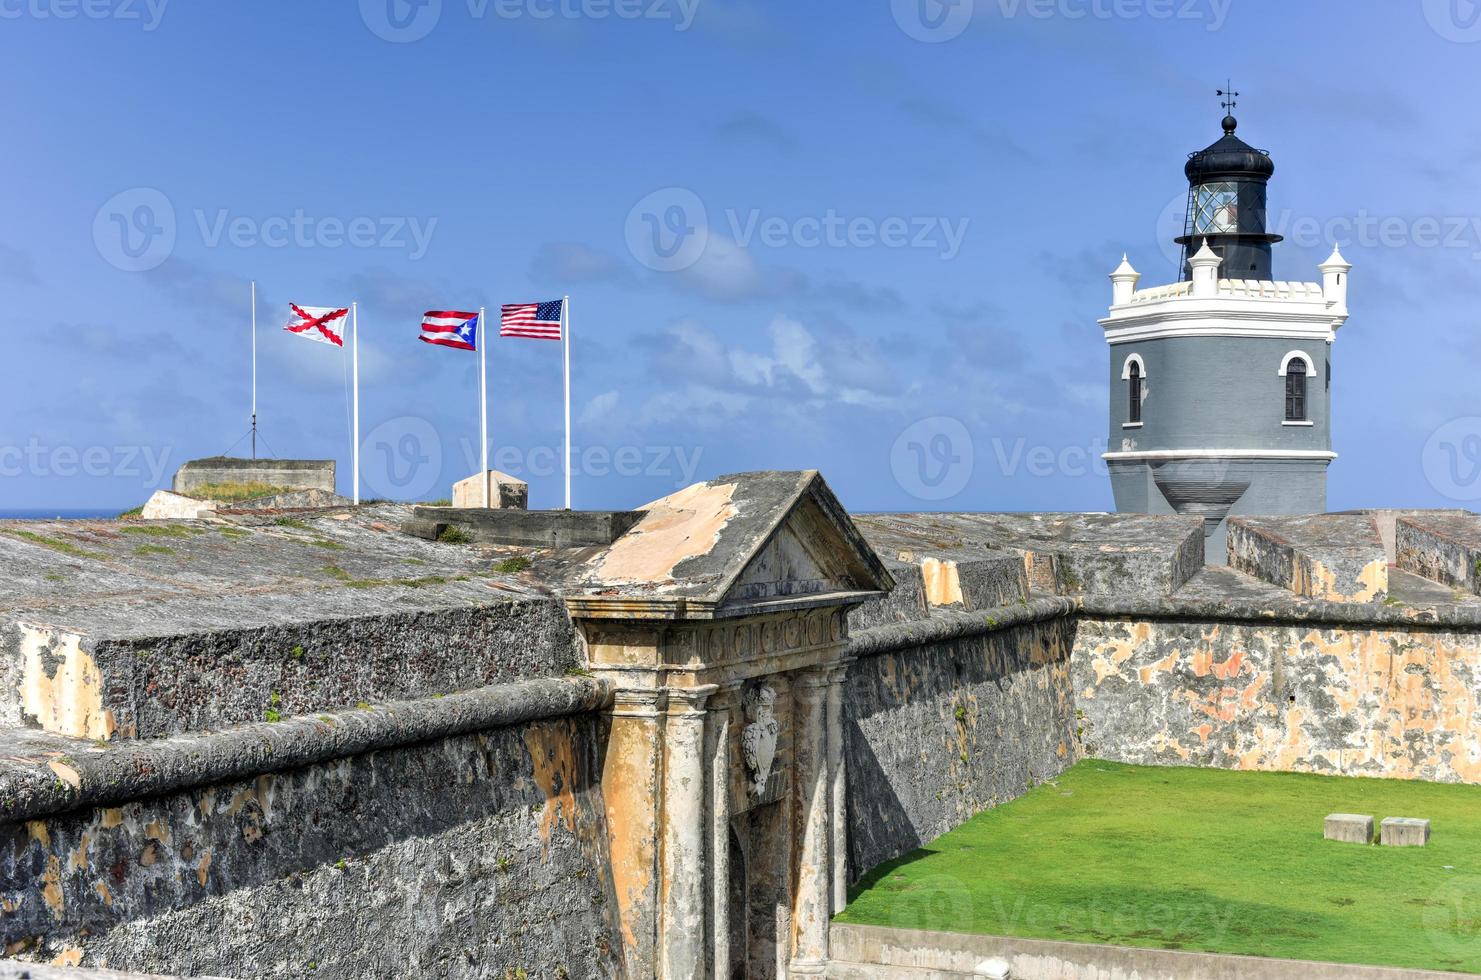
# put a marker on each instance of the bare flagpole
(254, 368)
(483, 400)
(355, 354)
(566, 357)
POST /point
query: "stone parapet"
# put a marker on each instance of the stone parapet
(1444, 548)
(1335, 557)
(289, 474)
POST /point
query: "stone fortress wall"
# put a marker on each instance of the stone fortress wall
(504, 783)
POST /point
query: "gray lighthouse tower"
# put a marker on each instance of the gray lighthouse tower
(1221, 383)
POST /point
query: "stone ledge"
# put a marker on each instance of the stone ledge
(943, 626)
(12, 970)
(1339, 558)
(525, 528)
(1444, 548)
(44, 774)
(879, 953)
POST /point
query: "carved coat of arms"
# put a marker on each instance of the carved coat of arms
(758, 739)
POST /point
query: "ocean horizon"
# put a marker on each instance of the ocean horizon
(60, 513)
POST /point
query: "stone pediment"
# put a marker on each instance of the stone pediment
(736, 545)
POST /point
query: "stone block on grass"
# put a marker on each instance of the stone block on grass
(1349, 828)
(1404, 832)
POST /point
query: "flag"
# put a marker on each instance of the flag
(541, 321)
(324, 324)
(449, 328)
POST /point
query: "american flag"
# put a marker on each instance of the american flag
(450, 328)
(541, 321)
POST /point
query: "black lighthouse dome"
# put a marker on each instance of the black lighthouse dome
(1229, 157)
(1227, 190)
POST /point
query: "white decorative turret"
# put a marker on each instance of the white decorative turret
(1123, 282)
(1205, 265)
(1334, 280)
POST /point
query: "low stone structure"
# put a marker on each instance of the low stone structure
(1349, 828)
(287, 474)
(493, 489)
(1404, 832)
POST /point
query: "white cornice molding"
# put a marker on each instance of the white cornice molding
(1325, 334)
(1159, 454)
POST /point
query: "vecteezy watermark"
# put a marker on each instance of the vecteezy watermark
(832, 230)
(669, 229)
(302, 230)
(1452, 916)
(1363, 229)
(1452, 459)
(1367, 230)
(149, 13)
(1454, 20)
(401, 458)
(1041, 462)
(933, 458)
(934, 21)
(35, 459)
(675, 463)
(137, 230)
(404, 21)
(1110, 916)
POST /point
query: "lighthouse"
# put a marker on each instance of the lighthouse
(1221, 383)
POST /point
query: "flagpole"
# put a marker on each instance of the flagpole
(355, 354)
(254, 368)
(483, 400)
(566, 357)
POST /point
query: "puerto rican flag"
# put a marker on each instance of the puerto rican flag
(323, 324)
(451, 328)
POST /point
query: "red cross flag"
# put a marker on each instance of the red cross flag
(324, 324)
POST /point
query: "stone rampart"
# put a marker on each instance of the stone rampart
(459, 837)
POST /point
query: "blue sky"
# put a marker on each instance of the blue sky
(909, 232)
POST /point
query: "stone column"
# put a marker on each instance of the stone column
(839, 769)
(721, 707)
(682, 945)
(812, 905)
(630, 794)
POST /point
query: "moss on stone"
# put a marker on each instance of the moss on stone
(57, 544)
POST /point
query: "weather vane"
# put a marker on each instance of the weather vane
(1228, 95)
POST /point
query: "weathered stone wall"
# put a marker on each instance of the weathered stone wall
(937, 730)
(152, 686)
(1393, 700)
(292, 474)
(480, 853)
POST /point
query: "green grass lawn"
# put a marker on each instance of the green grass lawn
(1202, 859)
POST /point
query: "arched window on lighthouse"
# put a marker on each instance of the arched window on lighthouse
(1296, 368)
(1296, 391)
(1134, 392)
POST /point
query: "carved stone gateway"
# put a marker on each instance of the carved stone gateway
(721, 620)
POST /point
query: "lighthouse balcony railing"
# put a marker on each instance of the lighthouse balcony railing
(1240, 288)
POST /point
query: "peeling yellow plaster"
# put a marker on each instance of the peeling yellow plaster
(72, 956)
(61, 686)
(683, 525)
(552, 752)
(942, 581)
